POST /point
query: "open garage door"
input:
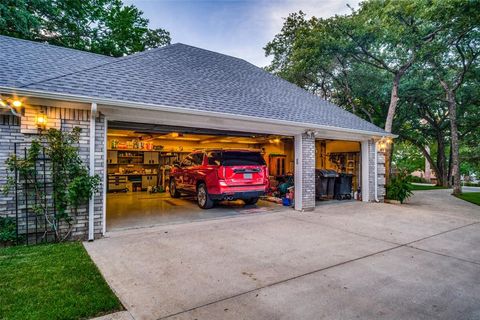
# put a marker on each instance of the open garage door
(161, 174)
(337, 170)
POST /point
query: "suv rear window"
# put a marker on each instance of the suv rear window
(236, 158)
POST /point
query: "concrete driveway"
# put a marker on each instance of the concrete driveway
(349, 260)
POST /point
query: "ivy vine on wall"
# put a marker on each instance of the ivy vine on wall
(72, 184)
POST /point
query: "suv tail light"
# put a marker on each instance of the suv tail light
(221, 173)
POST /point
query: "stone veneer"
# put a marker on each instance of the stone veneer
(13, 129)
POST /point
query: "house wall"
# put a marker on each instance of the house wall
(23, 130)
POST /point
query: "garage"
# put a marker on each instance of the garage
(145, 160)
(140, 116)
(148, 167)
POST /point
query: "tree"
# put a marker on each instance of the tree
(451, 57)
(383, 34)
(377, 63)
(101, 26)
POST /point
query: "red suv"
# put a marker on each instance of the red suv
(216, 175)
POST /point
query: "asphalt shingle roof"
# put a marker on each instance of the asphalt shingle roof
(23, 62)
(177, 75)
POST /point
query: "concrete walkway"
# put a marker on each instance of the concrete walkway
(350, 260)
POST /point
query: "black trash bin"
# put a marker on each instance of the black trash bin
(324, 183)
(343, 186)
(332, 177)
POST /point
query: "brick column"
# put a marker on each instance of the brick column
(379, 179)
(305, 171)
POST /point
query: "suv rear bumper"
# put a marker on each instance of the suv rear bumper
(237, 195)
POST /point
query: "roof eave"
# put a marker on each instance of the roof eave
(173, 109)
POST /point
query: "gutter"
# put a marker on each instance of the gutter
(157, 107)
(91, 202)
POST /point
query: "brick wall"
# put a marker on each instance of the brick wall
(308, 171)
(13, 130)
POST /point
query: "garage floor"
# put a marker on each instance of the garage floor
(140, 209)
(420, 260)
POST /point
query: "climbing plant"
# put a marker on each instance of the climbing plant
(72, 184)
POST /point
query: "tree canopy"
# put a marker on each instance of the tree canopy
(101, 26)
(407, 66)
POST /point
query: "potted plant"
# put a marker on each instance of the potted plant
(398, 189)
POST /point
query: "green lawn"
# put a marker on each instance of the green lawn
(425, 187)
(473, 197)
(55, 281)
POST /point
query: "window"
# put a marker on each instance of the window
(187, 162)
(197, 159)
(236, 158)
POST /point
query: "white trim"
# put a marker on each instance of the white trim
(149, 106)
(91, 202)
(298, 172)
(365, 171)
(105, 178)
(376, 172)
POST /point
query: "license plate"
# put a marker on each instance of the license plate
(247, 176)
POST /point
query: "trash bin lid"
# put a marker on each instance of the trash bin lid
(328, 173)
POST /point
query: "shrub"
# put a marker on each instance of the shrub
(399, 188)
(471, 184)
(7, 229)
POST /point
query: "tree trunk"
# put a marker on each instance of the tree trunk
(449, 172)
(393, 102)
(389, 123)
(442, 177)
(452, 114)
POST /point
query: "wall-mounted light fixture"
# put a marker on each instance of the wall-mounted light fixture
(383, 144)
(41, 121)
(14, 106)
(17, 103)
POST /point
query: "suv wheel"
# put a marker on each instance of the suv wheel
(203, 199)
(250, 201)
(173, 189)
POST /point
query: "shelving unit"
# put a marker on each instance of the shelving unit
(148, 168)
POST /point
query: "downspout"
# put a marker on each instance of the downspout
(91, 203)
(376, 173)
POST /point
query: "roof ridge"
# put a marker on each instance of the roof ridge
(215, 52)
(115, 60)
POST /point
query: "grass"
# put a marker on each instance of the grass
(425, 187)
(54, 281)
(473, 197)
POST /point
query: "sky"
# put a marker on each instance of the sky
(239, 28)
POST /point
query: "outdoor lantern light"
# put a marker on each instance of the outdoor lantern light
(383, 144)
(41, 121)
(175, 134)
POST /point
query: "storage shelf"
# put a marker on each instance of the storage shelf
(136, 150)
